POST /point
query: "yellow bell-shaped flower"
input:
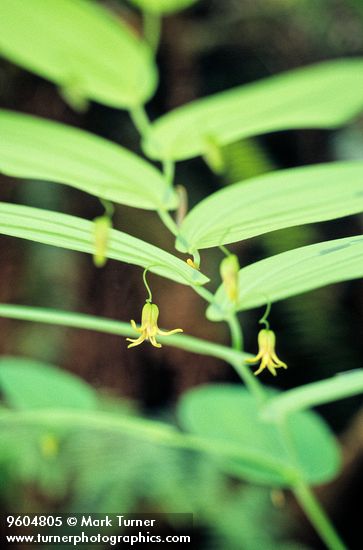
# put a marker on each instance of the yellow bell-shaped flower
(266, 353)
(149, 327)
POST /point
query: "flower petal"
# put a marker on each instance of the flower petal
(278, 361)
(169, 332)
(135, 327)
(154, 342)
(135, 341)
(254, 359)
(264, 364)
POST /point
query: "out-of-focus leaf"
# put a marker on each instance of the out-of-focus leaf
(28, 384)
(325, 95)
(80, 46)
(162, 6)
(341, 386)
(273, 201)
(291, 273)
(48, 227)
(229, 414)
(36, 148)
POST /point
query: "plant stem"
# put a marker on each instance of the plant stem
(152, 29)
(304, 494)
(236, 333)
(111, 326)
(141, 120)
(317, 516)
(142, 123)
(224, 249)
(263, 320)
(108, 206)
(168, 221)
(150, 296)
(252, 384)
(204, 293)
(169, 170)
(156, 432)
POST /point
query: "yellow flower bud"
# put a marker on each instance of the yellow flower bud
(102, 226)
(192, 264)
(213, 155)
(229, 269)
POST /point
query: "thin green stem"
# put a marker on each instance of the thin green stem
(250, 381)
(224, 249)
(263, 320)
(236, 333)
(150, 298)
(168, 221)
(152, 29)
(111, 326)
(318, 517)
(305, 496)
(204, 293)
(150, 430)
(142, 123)
(169, 170)
(141, 120)
(108, 206)
(242, 370)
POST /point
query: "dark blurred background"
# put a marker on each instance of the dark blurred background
(211, 47)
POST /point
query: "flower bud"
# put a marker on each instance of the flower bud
(229, 269)
(102, 226)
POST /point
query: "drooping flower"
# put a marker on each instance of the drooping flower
(266, 353)
(149, 327)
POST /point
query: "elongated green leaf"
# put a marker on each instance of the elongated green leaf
(273, 201)
(159, 432)
(162, 6)
(325, 95)
(74, 233)
(111, 326)
(291, 273)
(345, 384)
(28, 384)
(36, 148)
(80, 46)
(229, 414)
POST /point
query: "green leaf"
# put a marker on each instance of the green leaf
(229, 414)
(81, 46)
(111, 326)
(162, 6)
(28, 384)
(158, 432)
(40, 149)
(291, 273)
(48, 227)
(273, 201)
(341, 386)
(325, 95)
